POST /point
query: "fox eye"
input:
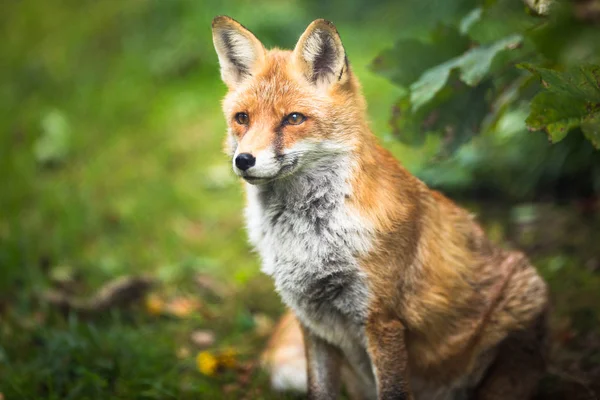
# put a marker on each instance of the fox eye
(242, 118)
(294, 119)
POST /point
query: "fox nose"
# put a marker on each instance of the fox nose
(244, 161)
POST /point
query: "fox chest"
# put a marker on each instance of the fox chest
(311, 247)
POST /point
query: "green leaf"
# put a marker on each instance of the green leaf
(556, 114)
(591, 129)
(471, 18)
(506, 96)
(460, 116)
(564, 39)
(430, 83)
(406, 61)
(571, 100)
(499, 20)
(580, 82)
(473, 66)
(455, 116)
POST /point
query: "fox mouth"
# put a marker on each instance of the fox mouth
(286, 170)
(253, 178)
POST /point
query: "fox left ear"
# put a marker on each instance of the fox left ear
(239, 51)
(320, 53)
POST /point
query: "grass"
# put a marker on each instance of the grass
(111, 150)
(111, 163)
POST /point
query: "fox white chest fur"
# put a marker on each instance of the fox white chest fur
(309, 241)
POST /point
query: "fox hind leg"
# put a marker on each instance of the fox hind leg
(520, 364)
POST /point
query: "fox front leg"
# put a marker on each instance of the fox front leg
(387, 349)
(323, 363)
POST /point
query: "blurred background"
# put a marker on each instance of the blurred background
(124, 267)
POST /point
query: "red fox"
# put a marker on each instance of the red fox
(397, 291)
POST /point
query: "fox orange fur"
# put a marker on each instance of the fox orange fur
(398, 292)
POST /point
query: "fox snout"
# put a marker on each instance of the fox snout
(245, 161)
(259, 166)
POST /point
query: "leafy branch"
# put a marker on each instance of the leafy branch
(461, 78)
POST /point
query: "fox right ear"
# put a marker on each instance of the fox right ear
(321, 55)
(239, 51)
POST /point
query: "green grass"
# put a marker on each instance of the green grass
(111, 164)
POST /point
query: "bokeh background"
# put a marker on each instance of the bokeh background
(112, 178)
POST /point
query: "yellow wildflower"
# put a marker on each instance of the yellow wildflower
(207, 363)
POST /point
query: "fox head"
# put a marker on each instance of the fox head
(286, 110)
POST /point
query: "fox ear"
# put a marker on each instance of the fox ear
(238, 49)
(320, 53)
